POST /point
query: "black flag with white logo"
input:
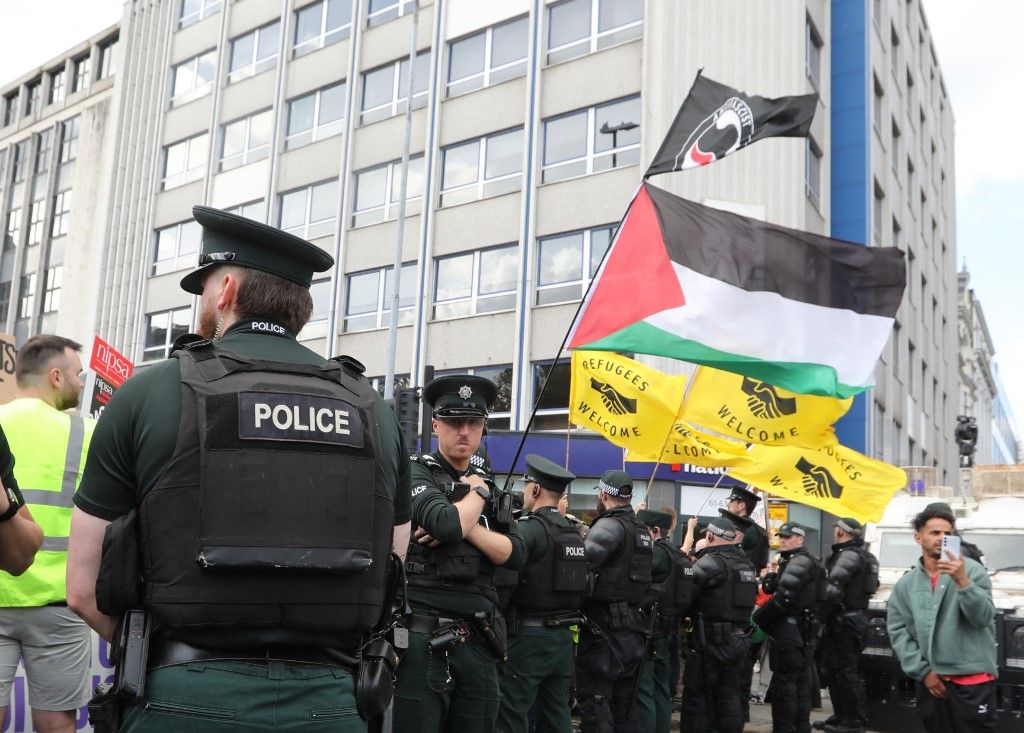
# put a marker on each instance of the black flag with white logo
(714, 120)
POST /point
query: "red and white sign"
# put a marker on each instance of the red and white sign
(109, 363)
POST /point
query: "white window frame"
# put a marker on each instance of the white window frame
(34, 98)
(317, 131)
(317, 283)
(26, 295)
(11, 109)
(12, 228)
(592, 42)
(43, 148)
(36, 211)
(535, 387)
(382, 314)
(397, 103)
(389, 209)
(590, 157)
(478, 189)
(62, 202)
(813, 53)
(82, 66)
(489, 71)
(255, 65)
(586, 252)
(325, 37)
(395, 9)
(247, 210)
(70, 130)
(250, 153)
(812, 164)
(474, 298)
(58, 85)
(106, 58)
(188, 175)
(206, 9)
(303, 231)
(151, 353)
(53, 278)
(196, 90)
(179, 260)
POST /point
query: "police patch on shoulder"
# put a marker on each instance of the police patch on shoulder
(418, 490)
(298, 417)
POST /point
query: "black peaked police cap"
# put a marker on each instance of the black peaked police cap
(229, 239)
(460, 395)
(547, 473)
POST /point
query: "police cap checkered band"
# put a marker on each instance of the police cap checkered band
(789, 529)
(725, 534)
(608, 489)
(849, 528)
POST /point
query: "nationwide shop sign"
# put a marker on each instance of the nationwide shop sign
(109, 369)
(8, 354)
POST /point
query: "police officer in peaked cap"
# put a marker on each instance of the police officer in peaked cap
(544, 605)
(270, 486)
(448, 679)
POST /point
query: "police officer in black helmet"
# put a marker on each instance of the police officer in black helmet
(725, 587)
(448, 679)
(619, 550)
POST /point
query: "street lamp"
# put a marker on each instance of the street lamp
(614, 131)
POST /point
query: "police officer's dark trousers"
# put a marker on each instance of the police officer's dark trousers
(538, 671)
(654, 700)
(790, 690)
(838, 655)
(606, 665)
(711, 680)
(454, 690)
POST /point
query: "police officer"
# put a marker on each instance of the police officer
(271, 485)
(448, 679)
(741, 503)
(725, 586)
(852, 580)
(611, 648)
(669, 596)
(544, 605)
(788, 618)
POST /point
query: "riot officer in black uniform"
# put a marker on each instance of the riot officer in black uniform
(852, 580)
(612, 644)
(789, 618)
(725, 587)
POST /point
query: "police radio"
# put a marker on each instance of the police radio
(497, 511)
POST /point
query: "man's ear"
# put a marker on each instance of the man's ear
(229, 291)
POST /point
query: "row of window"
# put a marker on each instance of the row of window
(335, 14)
(69, 132)
(56, 82)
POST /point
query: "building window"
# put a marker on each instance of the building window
(26, 295)
(176, 247)
(69, 139)
(897, 444)
(578, 27)
(5, 300)
(12, 229)
(185, 161)
(193, 11)
(83, 64)
(106, 65)
(254, 52)
(34, 97)
(19, 161)
(879, 436)
(321, 24)
(499, 416)
(61, 214)
(894, 154)
(43, 146)
(246, 140)
(591, 140)
(35, 222)
(10, 108)
(876, 111)
(489, 166)
(161, 330)
(58, 86)
(381, 11)
(369, 295)
(812, 62)
(896, 231)
(487, 57)
(567, 262)
(193, 78)
(51, 288)
(553, 406)
(255, 210)
(315, 116)
(812, 174)
(310, 212)
(320, 292)
(384, 88)
(876, 212)
(894, 54)
(477, 282)
(378, 192)
(896, 348)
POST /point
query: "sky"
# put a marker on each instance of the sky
(981, 59)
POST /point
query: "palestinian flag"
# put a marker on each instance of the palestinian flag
(796, 310)
(715, 120)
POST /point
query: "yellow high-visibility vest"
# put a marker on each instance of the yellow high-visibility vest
(49, 450)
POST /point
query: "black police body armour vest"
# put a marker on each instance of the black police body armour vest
(812, 592)
(452, 566)
(557, 581)
(859, 590)
(626, 576)
(732, 600)
(675, 592)
(273, 513)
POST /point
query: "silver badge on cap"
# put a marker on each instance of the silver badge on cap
(465, 392)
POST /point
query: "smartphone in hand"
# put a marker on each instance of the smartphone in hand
(950, 545)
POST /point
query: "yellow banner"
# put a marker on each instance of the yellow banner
(756, 412)
(627, 402)
(686, 445)
(834, 479)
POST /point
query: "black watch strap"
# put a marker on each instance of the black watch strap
(13, 508)
(483, 491)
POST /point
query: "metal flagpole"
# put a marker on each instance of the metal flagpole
(396, 274)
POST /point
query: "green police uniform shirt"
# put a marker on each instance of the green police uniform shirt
(136, 435)
(661, 564)
(439, 517)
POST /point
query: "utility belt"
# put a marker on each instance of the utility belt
(554, 620)
(167, 653)
(446, 633)
(718, 632)
(617, 616)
